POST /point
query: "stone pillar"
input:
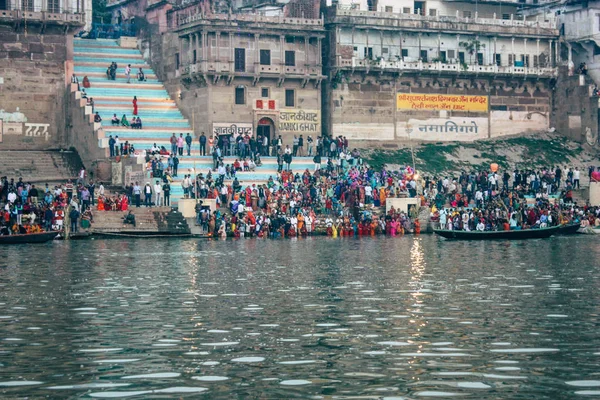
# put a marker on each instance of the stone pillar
(512, 41)
(367, 48)
(231, 53)
(204, 50)
(218, 57)
(319, 49)
(401, 38)
(439, 45)
(525, 55)
(190, 49)
(457, 46)
(257, 55)
(537, 51)
(306, 59)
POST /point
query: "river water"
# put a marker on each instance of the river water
(369, 318)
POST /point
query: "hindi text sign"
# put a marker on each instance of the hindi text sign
(300, 121)
(438, 102)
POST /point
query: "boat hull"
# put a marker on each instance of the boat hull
(28, 238)
(569, 229)
(499, 235)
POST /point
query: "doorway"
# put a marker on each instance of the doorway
(266, 128)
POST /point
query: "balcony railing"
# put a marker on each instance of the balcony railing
(183, 19)
(444, 67)
(512, 22)
(223, 67)
(54, 14)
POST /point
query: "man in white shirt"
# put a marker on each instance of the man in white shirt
(157, 194)
(481, 226)
(368, 193)
(576, 176)
(128, 73)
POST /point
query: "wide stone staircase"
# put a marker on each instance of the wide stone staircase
(39, 166)
(159, 113)
(153, 221)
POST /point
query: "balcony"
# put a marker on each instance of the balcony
(455, 24)
(439, 68)
(225, 68)
(183, 18)
(55, 15)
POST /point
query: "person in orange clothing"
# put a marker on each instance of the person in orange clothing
(417, 227)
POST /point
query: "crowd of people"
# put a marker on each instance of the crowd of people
(29, 209)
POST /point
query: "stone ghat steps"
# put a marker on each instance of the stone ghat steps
(159, 113)
(39, 166)
(149, 220)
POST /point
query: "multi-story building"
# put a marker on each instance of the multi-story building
(436, 70)
(36, 64)
(245, 72)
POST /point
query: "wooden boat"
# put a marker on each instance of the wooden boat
(569, 229)
(493, 235)
(41, 237)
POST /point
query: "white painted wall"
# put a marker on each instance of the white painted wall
(388, 46)
(442, 8)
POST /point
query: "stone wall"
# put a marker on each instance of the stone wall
(574, 111)
(33, 68)
(363, 107)
(86, 136)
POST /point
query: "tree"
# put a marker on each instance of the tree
(99, 13)
(472, 47)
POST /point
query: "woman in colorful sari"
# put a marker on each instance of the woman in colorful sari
(124, 203)
(101, 203)
(124, 121)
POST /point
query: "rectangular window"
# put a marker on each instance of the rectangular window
(384, 50)
(404, 53)
(240, 60)
(432, 12)
(451, 54)
(264, 92)
(406, 10)
(240, 95)
(466, 14)
(194, 57)
(461, 57)
(27, 5)
(176, 60)
(525, 59)
(511, 59)
(290, 97)
(289, 39)
(479, 58)
(389, 9)
(369, 53)
(423, 55)
(53, 6)
(265, 57)
(535, 61)
(499, 60)
(506, 16)
(290, 58)
(443, 57)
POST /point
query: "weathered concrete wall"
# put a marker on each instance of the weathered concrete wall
(86, 136)
(364, 108)
(574, 110)
(34, 69)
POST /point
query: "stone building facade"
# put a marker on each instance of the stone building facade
(244, 73)
(35, 52)
(436, 70)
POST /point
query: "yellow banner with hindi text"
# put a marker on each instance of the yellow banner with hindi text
(438, 102)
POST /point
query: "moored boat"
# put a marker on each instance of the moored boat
(569, 229)
(41, 237)
(493, 235)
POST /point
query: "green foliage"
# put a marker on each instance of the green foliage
(99, 13)
(378, 159)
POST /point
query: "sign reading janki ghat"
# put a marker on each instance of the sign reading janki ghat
(439, 102)
(300, 121)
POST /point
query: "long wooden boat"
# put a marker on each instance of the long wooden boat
(41, 237)
(569, 229)
(493, 235)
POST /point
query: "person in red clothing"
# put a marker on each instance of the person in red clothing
(135, 106)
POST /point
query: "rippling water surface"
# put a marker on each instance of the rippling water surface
(374, 318)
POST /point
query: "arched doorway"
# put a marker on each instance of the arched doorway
(265, 128)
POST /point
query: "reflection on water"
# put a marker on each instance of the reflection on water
(320, 318)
